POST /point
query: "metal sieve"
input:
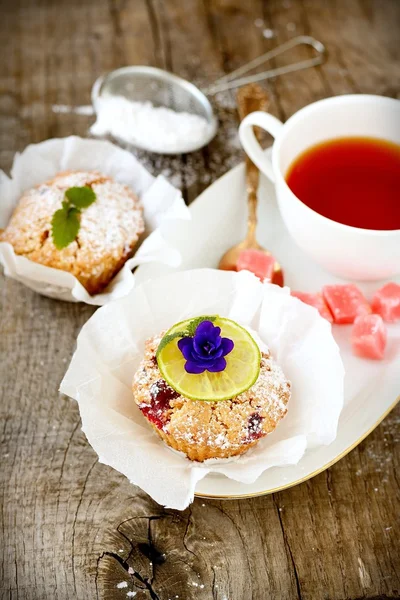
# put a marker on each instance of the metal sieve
(161, 88)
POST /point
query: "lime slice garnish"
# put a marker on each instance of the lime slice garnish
(242, 363)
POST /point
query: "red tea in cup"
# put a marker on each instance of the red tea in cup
(351, 180)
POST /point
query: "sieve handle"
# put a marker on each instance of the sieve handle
(233, 80)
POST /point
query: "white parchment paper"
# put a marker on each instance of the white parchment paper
(38, 162)
(110, 347)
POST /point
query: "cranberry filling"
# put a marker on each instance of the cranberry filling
(161, 394)
(254, 428)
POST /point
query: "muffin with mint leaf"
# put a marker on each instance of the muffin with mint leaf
(82, 222)
(210, 388)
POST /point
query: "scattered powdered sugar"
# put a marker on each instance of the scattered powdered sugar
(268, 34)
(122, 584)
(379, 461)
(195, 584)
(131, 594)
(86, 109)
(153, 128)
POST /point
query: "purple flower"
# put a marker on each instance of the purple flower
(205, 351)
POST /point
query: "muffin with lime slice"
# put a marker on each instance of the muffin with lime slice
(210, 388)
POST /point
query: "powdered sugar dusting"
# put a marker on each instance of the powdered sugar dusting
(86, 109)
(122, 584)
(227, 426)
(157, 129)
(199, 169)
(109, 228)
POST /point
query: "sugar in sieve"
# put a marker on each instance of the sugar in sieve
(164, 89)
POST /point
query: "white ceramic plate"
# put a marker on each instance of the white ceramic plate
(371, 388)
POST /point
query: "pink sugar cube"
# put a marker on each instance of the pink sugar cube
(317, 301)
(257, 262)
(346, 302)
(368, 336)
(386, 302)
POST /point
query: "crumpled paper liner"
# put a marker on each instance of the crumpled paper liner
(110, 347)
(162, 204)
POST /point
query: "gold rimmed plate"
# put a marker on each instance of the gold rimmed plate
(372, 388)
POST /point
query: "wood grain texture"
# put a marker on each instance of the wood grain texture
(74, 529)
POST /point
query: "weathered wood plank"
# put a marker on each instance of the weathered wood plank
(72, 528)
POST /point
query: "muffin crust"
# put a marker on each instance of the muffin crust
(109, 228)
(204, 430)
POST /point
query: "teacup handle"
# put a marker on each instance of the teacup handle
(249, 141)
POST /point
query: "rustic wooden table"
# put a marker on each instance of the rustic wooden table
(72, 528)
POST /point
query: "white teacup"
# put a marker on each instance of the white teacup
(348, 252)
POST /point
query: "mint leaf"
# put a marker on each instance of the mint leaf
(189, 332)
(194, 323)
(81, 197)
(65, 226)
(168, 338)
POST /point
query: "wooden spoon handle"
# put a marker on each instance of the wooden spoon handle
(250, 98)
